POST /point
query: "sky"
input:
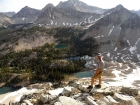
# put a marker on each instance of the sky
(17, 5)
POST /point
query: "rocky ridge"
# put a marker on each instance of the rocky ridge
(58, 17)
(80, 6)
(75, 92)
(30, 15)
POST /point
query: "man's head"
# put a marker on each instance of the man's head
(99, 57)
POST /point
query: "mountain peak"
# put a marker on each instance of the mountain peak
(80, 6)
(118, 7)
(73, 0)
(50, 5)
(26, 7)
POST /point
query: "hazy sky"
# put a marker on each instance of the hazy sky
(16, 5)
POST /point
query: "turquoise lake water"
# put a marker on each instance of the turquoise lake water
(4, 90)
(84, 74)
(8, 89)
(61, 46)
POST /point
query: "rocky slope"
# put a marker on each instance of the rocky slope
(117, 31)
(17, 40)
(4, 20)
(26, 15)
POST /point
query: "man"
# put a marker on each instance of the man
(98, 73)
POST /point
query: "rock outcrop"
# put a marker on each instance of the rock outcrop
(76, 93)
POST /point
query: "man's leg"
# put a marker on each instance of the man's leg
(100, 80)
(92, 81)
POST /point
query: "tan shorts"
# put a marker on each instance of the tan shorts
(98, 75)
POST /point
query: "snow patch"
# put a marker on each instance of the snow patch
(115, 49)
(138, 56)
(89, 26)
(98, 11)
(108, 54)
(110, 31)
(34, 20)
(23, 18)
(122, 58)
(76, 24)
(137, 41)
(55, 23)
(128, 42)
(116, 57)
(63, 23)
(124, 49)
(118, 53)
(51, 22)
(89, 19)
(133, 49)
(40, 25)
(97, 37)
(126, 80)
(112, 57)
